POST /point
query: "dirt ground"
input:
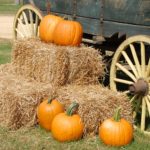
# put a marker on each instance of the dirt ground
(6, 26)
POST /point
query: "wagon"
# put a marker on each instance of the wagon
(121, 28)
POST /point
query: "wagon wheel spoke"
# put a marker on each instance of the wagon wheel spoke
(147, 99)
(22, 27)
(137, 64)
(26, 22)
(130, 64)
(130, 70)
(20, 33)
(126, 71)
(142, 58)
(31, 22)
(133, 98)
(126, 92)
(143, 115)
(36, 26)
(27, 26)
(148, 69)
(123, 81)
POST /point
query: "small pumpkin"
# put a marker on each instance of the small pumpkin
(68, 33)
(47, 27)
(116, 131)
(47, 110)
(67, 126)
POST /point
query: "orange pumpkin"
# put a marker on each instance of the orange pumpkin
(47, 27)
(67, 126)
(116, 131)
(68, 33)
(47, 110)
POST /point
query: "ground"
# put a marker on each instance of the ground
(6, 26)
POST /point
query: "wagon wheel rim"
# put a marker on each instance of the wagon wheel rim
(136, 71)
(26, 22)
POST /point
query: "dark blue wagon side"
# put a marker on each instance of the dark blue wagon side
(104, 17)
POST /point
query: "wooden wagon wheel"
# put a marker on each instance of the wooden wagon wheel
(130, 72)
(26, 22)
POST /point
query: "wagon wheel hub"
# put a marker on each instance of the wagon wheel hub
(140, 87)
(130, 70)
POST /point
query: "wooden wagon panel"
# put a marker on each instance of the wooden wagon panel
(104, 17)
(128, 11)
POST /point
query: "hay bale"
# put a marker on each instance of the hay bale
(49, 63)
(96, 104)
(7, 69)
(19, 99)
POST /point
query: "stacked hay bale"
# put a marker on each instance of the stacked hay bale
(58, 64)
(36, 71)
(96, 104)
(19, 98)
(41, 70)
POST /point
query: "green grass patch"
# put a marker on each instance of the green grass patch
(39, 139)
(5, 51)
(8, 9)
(7, 1)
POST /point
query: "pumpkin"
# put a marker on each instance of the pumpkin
(67, 126)
(68, 33)
(116, 131)
(47, 110)
(47, 27)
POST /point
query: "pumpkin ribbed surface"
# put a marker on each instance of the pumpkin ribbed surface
(47, 111)
(68, 33)
(67, 128)
(47, 27)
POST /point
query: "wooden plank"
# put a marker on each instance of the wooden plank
(66, 7)
(90, 26)
(61, 6)
(128, 11)
(119, 15)
(111, 27)
(89, 8)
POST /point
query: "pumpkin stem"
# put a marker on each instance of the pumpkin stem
(117, 115)
(72, 109)
(49, 100)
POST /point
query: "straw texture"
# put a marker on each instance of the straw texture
(61, 65)
(19, 98)
(96, 104)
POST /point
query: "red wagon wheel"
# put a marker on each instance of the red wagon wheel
(130, 72)
(26, 22)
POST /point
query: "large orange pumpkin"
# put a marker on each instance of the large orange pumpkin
(116, 131)
(68, 33)
(47, 110)
(47, 27)
(67, 126)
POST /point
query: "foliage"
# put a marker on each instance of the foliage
(8, 8)
(5, 49)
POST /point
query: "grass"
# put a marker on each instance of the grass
(7, 1)
(37, 138)
(8, 7)
(5, 51)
